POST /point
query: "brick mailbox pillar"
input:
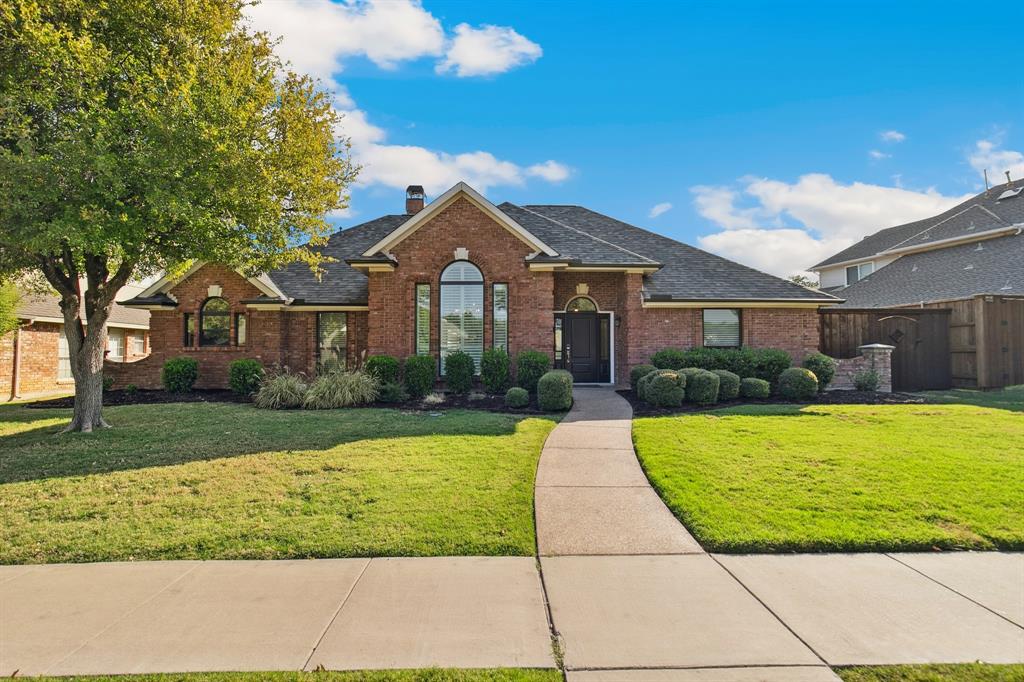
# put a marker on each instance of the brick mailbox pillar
(876, 356)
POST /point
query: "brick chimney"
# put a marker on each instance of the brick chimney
(414, 197)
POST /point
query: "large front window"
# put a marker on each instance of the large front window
(462, 311)
(63, 358)
(332, 341)
(722, 328)
(214, 322)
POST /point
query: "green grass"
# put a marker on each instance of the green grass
(430, 675)
(218, 481)
(778, 478)
(1009, 398)
(967, 672)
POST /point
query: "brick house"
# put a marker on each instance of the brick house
(34, 359)
(460, 273)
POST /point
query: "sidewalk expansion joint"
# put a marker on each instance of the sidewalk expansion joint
(337, 612)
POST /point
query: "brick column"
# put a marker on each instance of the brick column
(878, 357)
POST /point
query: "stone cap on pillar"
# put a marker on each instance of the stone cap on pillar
(876, 346)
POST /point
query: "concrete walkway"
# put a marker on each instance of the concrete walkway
(633, 596)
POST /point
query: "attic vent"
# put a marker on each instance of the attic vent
(913, 269)
(968, 267)
(1010, 193)
(1006, 287)
(971, 226)
(980, 248)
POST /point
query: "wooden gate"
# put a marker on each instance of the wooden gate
(921, 360)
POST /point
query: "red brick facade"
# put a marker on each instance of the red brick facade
(288, 338)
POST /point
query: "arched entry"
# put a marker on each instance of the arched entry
(583, 341)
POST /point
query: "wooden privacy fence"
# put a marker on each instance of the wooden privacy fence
(921, 360)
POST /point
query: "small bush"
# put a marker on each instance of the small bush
(690, 372)
(495, 370)
(669, 358)
(867, 380)
(728, 384)
(517, 397)
(770, 363)
(797, 383)
(823, 367)
(459, 369)
(702, 387)
(244, 376)
(666, 388)
(281, 391)
(530, 367)
(420, 371)
(131, 389)
(637, 373)
(383, 368)
(108, 383)
(554, 390)
(752, 387)
(179, 374)
(341, 389)
(392, 392)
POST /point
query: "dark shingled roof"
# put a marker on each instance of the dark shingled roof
(993, 266)
(985, 210)
(35, 305)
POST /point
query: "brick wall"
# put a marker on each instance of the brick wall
(878, 358)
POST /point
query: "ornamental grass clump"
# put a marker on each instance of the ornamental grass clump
(554, 391)
(281, 391)
(666, 388)
(728, 384)
(341, 389)
(797, 383)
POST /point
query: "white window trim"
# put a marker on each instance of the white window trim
(846, 271)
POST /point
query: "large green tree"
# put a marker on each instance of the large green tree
(140, 136)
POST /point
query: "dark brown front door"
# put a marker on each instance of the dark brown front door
(581, 347)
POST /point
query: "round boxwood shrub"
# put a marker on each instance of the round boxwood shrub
(420, 372)
(797, 383)
(823, 367)
(459, 369)
(530, 367)
(669, 358)
(769, 363)
(690, 372)
(728, 384)
(554, 390)
(666, 388)
(752, 387)
(495, 370)
(179, 374)
(638, 373)
(517, 397)
(244, 376)
(702, 387)
(384, 368)
(643, 384)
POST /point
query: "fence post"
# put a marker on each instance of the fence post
(879, 358)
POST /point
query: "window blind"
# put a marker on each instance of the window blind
(500, 317)
(332, 341)
(422, 319)
(722, 328)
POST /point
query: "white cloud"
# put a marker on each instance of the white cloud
(658, 209)
(784, 228)
(891, 136)
(550, 170)
(878, 156)
(487, 50)
(988, 155)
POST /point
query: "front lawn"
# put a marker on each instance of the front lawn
(227, 481)
(777, 478)
(962, 672)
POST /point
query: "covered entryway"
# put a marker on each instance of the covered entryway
(583, 343)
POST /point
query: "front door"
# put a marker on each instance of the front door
(584, 350)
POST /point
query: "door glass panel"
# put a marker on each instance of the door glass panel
(558, 339)
(604, 339)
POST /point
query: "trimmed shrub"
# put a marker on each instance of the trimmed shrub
(770, 363)
(420, 371)
(530, 367)
(179, 374)
(702, 387)
(823, 367)
(459, 369)
(638, 373)
(690, 372)
(752, 387)
(341, 389)
(728, 384)
(244, 376)
(517, 397)
(554, 390)
(495, 370)
(666, 388)
(669, 358)
(281, 391)
(392, 392)
(867, 380)
(797, 383)
(644, 384)
(108, 383)
(383, 368)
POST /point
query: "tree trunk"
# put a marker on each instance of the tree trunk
(87, 368)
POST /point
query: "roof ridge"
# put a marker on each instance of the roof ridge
(945, 220)
(587, 234)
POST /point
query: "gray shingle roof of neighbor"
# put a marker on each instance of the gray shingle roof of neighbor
(581, 237)
(993, 266)
(37, 305)
(986, 210)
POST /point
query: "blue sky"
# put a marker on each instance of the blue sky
(777, 133)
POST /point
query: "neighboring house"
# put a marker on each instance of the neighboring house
(969, 259)
(34, 359)
(597, 295)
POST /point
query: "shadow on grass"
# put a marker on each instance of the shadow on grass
(1010, 398)
(165, 435)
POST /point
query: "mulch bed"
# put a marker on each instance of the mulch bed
(475, 401)
(642, 409)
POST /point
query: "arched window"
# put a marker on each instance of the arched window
(214, 322)
(462, 311)
(581, 304)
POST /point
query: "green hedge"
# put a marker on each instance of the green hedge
(244, 376)
(638, 373)
(666, 388)
(495, 370)
(384, 368)
(554, 390)
(763, 363)
(179, 375)
(752, 387)
(420, 373)
(530, 367)
(517, 397)
(459, 369)
(823, 367)
(797, 383)
(643, 384)
(728, 384)
(702, 387)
